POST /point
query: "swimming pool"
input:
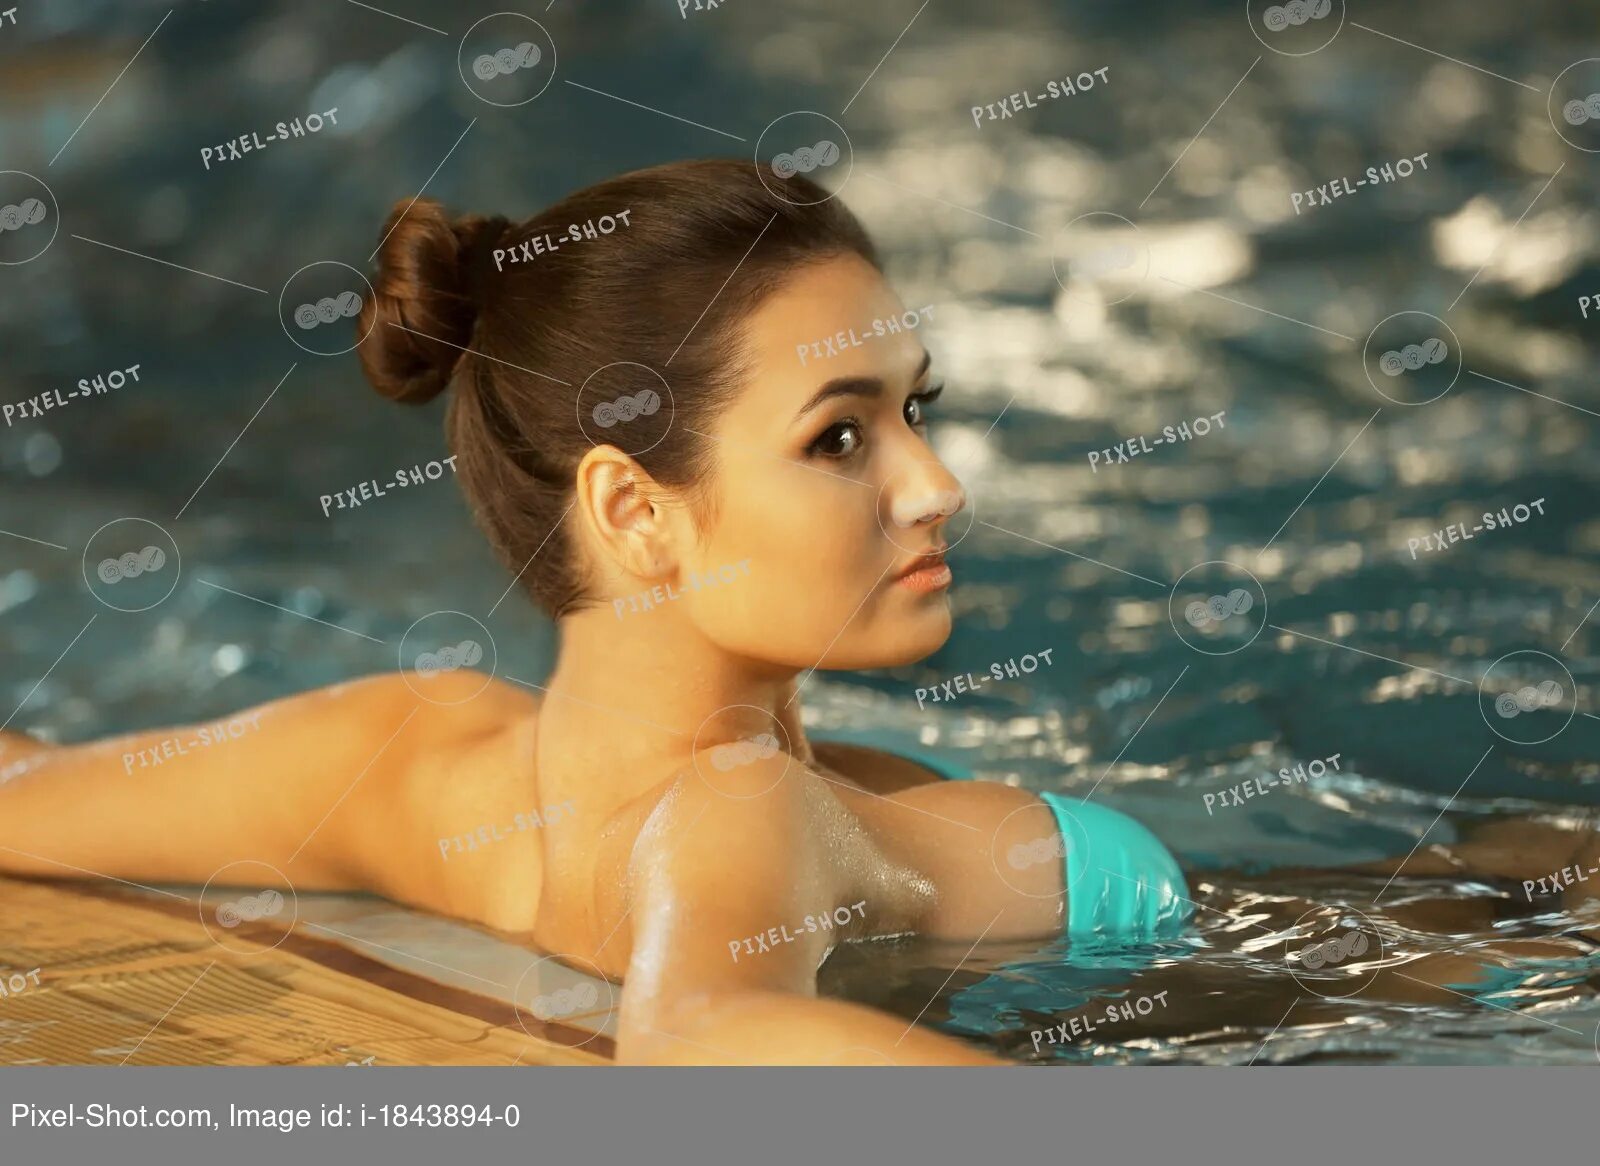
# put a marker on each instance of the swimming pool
(1371, 638)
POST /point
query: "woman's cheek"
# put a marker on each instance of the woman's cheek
(779, 608)
(782, 606)
(805, 553)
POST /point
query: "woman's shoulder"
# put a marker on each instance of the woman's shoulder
(874, 770)
(906, 781)
(458, 752)
(467, 694)
(426, 717)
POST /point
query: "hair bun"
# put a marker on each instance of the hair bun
(427, 284)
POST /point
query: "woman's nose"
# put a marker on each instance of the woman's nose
(929, 493)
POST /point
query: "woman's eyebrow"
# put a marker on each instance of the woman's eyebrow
(857, 386)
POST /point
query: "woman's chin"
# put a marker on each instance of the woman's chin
(908, 640)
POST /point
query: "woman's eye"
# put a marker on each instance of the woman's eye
(916, 410)
(839, 440)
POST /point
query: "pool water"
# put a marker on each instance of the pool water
(1266, 873)
(1310, 480)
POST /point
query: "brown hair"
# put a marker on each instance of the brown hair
(519, 343)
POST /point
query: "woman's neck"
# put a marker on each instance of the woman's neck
(646, 687)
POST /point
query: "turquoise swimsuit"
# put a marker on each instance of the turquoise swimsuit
(1127, 902)
(1121, 881)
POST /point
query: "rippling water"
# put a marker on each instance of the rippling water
(1067, 556)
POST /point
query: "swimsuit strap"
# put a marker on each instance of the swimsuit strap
(1120, 878)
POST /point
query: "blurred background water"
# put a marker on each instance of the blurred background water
(965, 213)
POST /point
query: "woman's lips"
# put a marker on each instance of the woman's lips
(927, 573)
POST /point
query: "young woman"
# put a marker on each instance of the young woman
(711, 503)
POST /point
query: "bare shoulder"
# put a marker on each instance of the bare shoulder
(768, 811)
(896, 780)
(929, 858)
(427, 719)
(982, 803)
(719, 848)
(447, 764)
(770, 826)
(958, 837)
(405, 761)
(878, 772)
(872, 769)
(460, 742)
(760, 809)
(462, 696)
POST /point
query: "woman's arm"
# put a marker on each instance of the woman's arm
(711, 872)
(755, 1027)
(309, 784)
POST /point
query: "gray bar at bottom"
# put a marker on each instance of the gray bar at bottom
(1025, 1115)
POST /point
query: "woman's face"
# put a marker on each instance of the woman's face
(830, 507)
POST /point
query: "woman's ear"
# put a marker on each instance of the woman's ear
(624, 508)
